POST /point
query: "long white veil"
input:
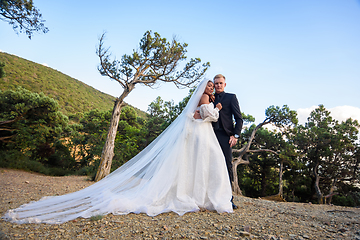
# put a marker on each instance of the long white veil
(146, 178)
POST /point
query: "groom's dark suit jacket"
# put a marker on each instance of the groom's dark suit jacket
(225, 127)
(230, 110)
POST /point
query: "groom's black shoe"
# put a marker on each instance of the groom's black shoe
(233, 205)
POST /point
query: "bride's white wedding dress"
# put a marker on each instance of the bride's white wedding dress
(182, 171)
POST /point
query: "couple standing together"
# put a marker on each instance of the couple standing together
(227, 133)
(185, 169)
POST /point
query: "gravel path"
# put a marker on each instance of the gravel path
(254, 219)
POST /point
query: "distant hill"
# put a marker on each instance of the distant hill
(72, 95)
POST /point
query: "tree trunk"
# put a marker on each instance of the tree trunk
(328, 198)
(107, 153)
(235, 184)
(108, 149)
(281, 193)
(235, 163)
(263, 183)
(239, 160)
(316, 185)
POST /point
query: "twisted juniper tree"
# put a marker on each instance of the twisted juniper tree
(156, 60)
(280, 117)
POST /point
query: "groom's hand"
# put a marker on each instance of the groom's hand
(197, 114)
(219, 106)
(232, 141)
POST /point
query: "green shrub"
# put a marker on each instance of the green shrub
(344, 200)
(96, 218)
(17, 160)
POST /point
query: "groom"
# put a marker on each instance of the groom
(226, 131)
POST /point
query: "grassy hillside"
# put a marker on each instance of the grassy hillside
(72, 95)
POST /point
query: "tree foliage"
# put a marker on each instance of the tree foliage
(23, 16)
(28, 118)
(31, 125)
(317, 161)
(89, 135)
(280, 117)
(2, 71)
(328, 150)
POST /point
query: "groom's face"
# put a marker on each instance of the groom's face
(219, 85)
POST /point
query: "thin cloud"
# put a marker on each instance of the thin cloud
(304, 113)
(340, 113)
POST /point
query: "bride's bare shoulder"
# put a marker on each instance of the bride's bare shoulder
(205, 99)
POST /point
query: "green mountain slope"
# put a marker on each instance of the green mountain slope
(72, 95)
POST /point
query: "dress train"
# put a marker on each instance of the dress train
(181, 171)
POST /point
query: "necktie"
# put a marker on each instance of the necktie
(216, 101)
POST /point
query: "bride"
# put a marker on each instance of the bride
(182, 170)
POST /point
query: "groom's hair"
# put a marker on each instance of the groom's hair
(219, 76)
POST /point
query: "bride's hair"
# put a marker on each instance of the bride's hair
(210, 99)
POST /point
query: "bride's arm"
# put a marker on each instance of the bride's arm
(209, 113)
(205, 99)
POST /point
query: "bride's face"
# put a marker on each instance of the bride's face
(209, 88)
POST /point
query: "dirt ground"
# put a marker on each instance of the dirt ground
(254, 219)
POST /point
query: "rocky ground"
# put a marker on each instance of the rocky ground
(254, 219)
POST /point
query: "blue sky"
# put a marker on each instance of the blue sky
(273, 52)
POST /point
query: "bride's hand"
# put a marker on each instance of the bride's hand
(219, 106)
(197, 114)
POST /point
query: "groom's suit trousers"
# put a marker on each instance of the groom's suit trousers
(223, 139)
